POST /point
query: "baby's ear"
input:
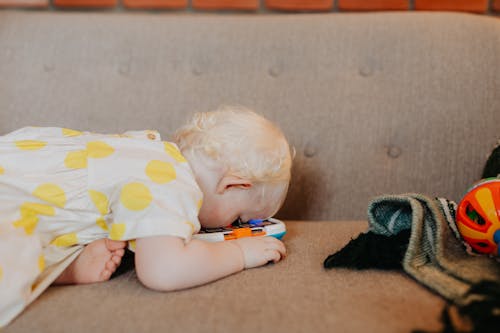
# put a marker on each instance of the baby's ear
(228, 182)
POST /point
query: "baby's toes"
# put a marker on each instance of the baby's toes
(119, 252)
(105, 275)
(117, 259)
(111, 265)
(113, 245)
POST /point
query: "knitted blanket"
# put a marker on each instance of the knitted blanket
(418, 233)
(435, 256)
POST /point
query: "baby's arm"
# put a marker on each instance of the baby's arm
(167, 263)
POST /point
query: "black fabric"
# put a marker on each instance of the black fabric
(483, 314)
(371, 250)
(127, 264)
(492, 166)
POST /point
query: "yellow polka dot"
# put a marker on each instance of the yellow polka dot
(76, 159)
(65, 240)
(485, 197)
(28, 222)
(51, 193)
(135, 196)
(174, 152)
(29, 208)
(1, 273)
(30, 144)
(102, 223)
(200, 203)
(70, 132)
(41, 263)
(132, 244)
(160, 172)
(117, 231)
(2, 170)
(99, 149)
(100, 201)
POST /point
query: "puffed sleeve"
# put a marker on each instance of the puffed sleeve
(149, 187)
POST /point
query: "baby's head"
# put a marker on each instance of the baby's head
(241, 161)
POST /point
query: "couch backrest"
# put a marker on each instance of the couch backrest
(373, 103)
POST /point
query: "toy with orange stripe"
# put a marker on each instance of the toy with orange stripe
(478, 217)
(253, 228)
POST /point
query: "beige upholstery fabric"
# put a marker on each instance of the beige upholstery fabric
(374, 103)
(296, 295)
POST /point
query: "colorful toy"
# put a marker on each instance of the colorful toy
(478, 217)
(252, 228)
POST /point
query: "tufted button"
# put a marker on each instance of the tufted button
(48, 67)
(393, 151)
(275, 71)
(366, 70)
(197, 71)
(124, 69)
(309, 150)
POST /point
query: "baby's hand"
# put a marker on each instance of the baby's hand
(258, 251)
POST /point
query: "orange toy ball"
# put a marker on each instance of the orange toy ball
(478, 217)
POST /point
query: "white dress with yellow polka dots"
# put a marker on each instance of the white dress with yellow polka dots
(61, 189)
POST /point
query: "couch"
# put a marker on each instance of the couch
(373, 103)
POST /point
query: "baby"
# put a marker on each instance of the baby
(71, 201)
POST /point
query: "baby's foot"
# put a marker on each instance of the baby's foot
(96, 263)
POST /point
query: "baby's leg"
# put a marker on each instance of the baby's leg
(96, 263)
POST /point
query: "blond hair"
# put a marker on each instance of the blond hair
(247, 144)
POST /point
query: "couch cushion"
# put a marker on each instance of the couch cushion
(295, 295)
(373, 103)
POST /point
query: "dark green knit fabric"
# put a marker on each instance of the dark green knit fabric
(419, 232)
(434, 257)
(371, 250)
(492, 166)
